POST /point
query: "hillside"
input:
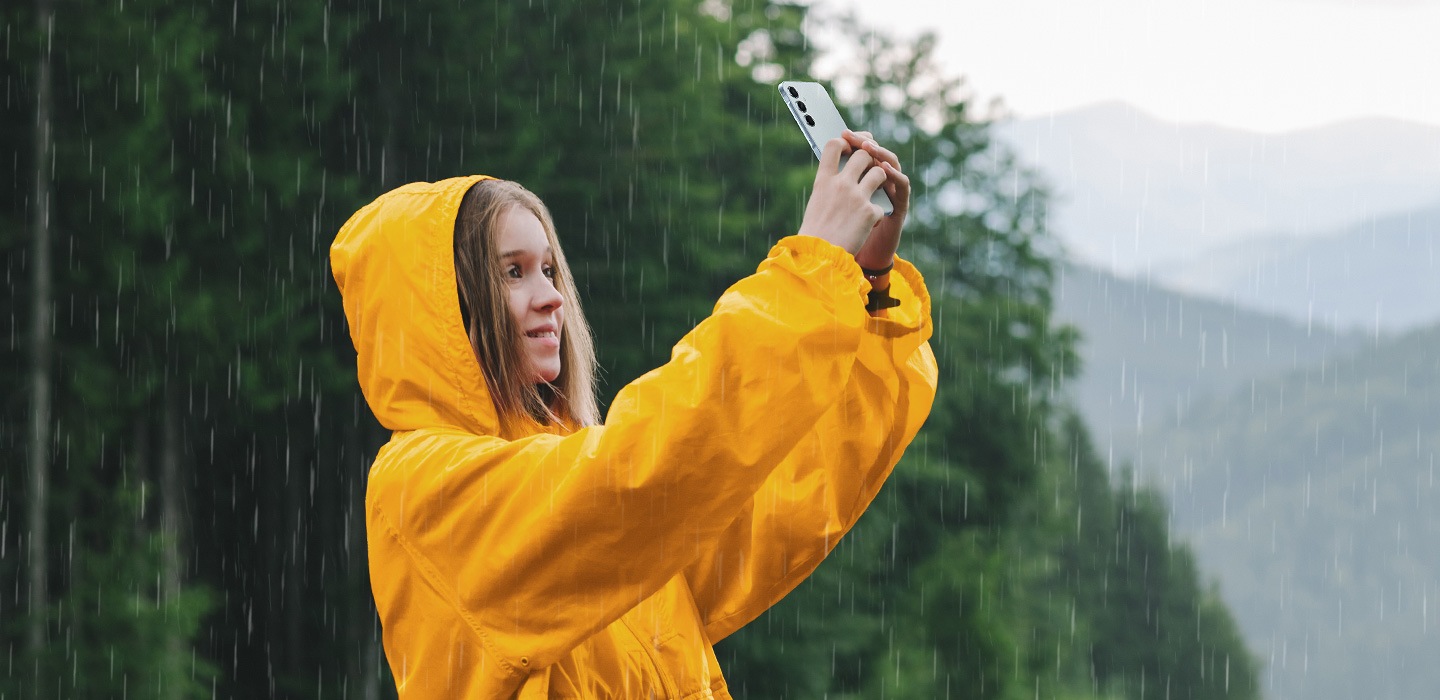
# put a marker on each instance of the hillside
(1148, 353)
(1312, 498)
(1383, 272)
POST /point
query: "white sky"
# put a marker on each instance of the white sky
(1266, 65)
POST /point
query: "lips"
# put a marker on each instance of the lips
(546, 335)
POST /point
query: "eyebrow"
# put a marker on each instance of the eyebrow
(514, 253)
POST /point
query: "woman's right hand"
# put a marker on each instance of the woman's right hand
(840, 210)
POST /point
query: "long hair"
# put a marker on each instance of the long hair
(568, 401)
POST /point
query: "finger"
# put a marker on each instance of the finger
(889, 186)
(882, 153)
(873, 179)
(897, 186)
(901, 180)
(830, 156)
(859, 163)
(857, 138)
(897, 179)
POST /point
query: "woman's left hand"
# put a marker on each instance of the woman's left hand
(878, 251)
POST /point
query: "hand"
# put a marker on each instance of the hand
(839, 209)
(878, 251)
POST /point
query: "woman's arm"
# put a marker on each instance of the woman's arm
(823, 486)
(540, 542)
(815, 496)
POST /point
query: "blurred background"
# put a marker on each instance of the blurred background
(1186, 309)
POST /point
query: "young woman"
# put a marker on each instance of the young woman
(520, 548)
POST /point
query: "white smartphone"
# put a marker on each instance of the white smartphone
(820, 121)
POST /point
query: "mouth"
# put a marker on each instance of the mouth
(545, 335)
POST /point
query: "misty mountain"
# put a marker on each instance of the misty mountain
(1298, 459)
(1148, 353)
(1383, 272)
(1312, 498)
(1134, 191)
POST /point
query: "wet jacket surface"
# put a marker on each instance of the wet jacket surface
(606, 561)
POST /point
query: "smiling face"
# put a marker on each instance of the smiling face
(529, 270)
(521, 310)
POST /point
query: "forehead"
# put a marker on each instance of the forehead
(521, 232)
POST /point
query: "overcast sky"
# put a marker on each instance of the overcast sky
(1267, 65)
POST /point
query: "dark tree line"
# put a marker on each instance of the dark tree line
(186, 521)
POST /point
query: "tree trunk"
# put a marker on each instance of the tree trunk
(390, 79)
(171, 518)
(40, 350)
(293, 564)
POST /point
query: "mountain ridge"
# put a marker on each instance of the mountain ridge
(1381, 273)
(1134, 191)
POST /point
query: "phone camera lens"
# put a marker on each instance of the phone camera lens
(793, 92)
(800, 104)
(810, 120)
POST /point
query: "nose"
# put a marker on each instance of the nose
(547, 298)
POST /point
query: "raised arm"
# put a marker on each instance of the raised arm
(823, 485)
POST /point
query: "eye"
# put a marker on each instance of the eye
(513, 271)
(549, 271)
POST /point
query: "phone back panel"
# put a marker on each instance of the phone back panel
(824, 123)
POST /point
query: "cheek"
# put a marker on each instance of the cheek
(518, 306)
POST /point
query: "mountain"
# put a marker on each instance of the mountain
(1299, 460)
(1383, 272)
(1134, 191)
(1148, 352)
(1313, 498)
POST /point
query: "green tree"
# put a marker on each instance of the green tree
(178, 226)
(1154, 631)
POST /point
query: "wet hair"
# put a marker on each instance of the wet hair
(484, 298)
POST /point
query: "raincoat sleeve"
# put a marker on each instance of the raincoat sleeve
(823, 485)
(537, 543)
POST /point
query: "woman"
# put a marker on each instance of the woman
(518, 548)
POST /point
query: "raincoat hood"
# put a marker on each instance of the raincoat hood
(394, 262)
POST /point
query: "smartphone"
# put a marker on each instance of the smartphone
(820, 121)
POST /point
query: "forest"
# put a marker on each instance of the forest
(187, 447)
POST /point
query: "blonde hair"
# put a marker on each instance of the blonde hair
(568, 401)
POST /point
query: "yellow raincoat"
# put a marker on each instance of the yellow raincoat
(607, 561)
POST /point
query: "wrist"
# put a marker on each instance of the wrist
(874, 264)
(879, 278)
(879, 297)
